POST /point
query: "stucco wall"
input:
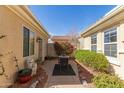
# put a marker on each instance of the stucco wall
(51, 50)
(87, 43)
(121, 48)
(44, 52)
(12, 45)
(116, 63)
(81, 44)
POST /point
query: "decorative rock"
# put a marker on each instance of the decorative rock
(33, 85)
(85, 84)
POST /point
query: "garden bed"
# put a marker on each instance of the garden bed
(41, 77)
(94, 68)
(98, 79)
(85, 74)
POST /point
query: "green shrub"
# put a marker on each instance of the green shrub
(92, 59)
(103, 80)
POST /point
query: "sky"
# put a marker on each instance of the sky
(60, 20)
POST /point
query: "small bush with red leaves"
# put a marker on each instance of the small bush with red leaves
(63, 48)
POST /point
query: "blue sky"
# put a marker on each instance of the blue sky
(59, 20)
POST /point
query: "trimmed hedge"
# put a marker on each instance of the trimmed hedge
(92, 59)
(103, 80)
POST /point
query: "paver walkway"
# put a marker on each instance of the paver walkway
(61, 81)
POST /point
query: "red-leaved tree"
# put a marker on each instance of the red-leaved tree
(63, 48)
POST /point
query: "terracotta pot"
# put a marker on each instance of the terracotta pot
(24, 75)
(24, 79)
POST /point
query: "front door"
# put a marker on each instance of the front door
(40, 49)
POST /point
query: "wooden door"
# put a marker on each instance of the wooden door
(40, 49)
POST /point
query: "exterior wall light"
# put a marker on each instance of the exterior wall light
(38, 39)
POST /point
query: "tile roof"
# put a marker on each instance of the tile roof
(60, 38)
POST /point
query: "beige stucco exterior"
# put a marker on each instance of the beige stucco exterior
(12, 20)
(113, 19)
(81, 43)
(51, 50)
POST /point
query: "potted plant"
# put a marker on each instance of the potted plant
(24, 75)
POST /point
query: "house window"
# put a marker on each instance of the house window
(25, 42)
(31, 45)
(94, 42)
(110, 42)
(28, 42)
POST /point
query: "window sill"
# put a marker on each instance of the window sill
(113, 61)
(28, 56)
(121, 52)
(115, 64)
